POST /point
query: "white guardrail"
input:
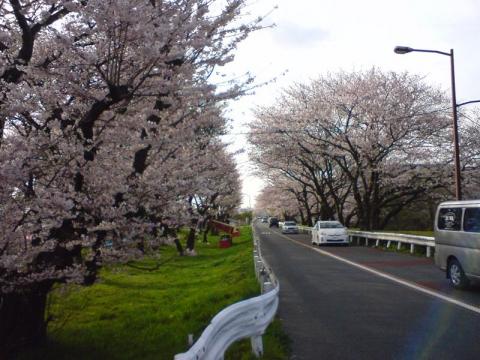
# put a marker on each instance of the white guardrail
(245, 319)
(378, 237)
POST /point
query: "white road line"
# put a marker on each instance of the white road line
(390, 277)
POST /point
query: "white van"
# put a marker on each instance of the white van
(329, 232)
(457, 241)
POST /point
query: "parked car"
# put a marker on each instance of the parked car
(289, 227)
(329, 232)
(457, 241)
(273, 221)
(264, 220)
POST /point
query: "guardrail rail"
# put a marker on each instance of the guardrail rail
(378, 237)
(245, 319)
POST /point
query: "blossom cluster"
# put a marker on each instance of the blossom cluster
(360, 147)
(110, 129)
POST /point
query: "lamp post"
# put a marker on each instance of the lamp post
(458, 180)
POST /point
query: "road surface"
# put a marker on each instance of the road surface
(364, 303)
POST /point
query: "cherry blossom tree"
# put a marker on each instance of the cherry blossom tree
(220, 193)
(299, 161)
(379, 141)
(107, 114)
(282, 199)
(470, 152)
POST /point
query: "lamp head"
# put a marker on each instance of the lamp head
(402, 49)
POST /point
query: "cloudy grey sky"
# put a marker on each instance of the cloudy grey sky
(316, 37)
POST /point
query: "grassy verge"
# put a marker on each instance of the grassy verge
(139, 314)
(418, 250)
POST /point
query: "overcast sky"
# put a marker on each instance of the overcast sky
(316, 37)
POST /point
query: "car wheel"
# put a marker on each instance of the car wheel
(457, 275)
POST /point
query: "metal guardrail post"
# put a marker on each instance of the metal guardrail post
(257, 345)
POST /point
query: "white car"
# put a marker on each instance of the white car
(289, 227)
(329, 232)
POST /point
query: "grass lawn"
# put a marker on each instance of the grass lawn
(139, 314)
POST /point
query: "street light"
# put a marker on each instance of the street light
(402, 49)
(458, 180)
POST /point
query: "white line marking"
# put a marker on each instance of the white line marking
(391, 277)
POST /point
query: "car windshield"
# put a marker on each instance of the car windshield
(290, 223)
(330, 225)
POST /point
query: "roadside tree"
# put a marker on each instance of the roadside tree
(380, 140)
(101, 103)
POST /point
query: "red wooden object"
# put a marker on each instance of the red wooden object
(227, 228)
(225, 241)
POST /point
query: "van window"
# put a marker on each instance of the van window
(449, 218)
(471, 221)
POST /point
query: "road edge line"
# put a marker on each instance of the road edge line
(390, 277)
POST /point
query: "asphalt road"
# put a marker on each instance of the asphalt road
(363, 303)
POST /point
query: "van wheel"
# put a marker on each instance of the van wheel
(457, 275)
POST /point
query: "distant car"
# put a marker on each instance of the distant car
(264, 220)
(329, 232)
(289, 227)
(273, 221)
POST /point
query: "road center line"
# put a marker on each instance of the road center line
(390, 277)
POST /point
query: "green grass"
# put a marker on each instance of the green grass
(139, 314)
(418, 250)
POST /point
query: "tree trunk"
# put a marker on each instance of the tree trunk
(191, 239)
(375, 217)
(213, 231)
(302, 217)
(205, 231)
(309, 216)
(179, 246)
(363, 218)
(22, 320)
(326, 212)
